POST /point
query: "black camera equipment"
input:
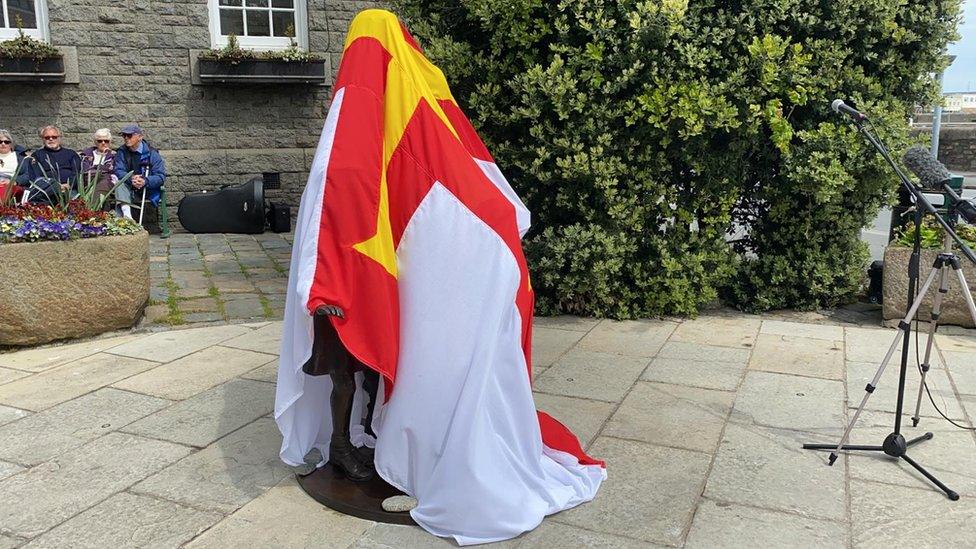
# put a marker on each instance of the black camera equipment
(933, 176)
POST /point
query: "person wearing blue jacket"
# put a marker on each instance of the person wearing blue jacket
(148, 175)
(49, 166)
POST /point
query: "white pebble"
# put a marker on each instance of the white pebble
(399, 504)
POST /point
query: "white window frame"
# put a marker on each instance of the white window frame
(40, 33)
(218, 40)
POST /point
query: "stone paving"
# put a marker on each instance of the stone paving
(166, 439)
(209, 278)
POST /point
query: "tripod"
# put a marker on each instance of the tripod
(895, 444)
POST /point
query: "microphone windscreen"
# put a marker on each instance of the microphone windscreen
(931, 173)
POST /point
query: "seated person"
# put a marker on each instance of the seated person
(11, 157)
(99, 160)
(52, 163)
(148, 174)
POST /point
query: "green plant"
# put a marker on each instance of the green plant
(292, 53)
(26, 47)
(933, 235)
(231, 53)
(646, 134)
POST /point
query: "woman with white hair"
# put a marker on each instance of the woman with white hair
(99, 161)
(11, 157)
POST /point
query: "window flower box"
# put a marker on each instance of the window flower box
(261, 71)
(31, 70)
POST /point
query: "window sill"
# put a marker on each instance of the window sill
(63, 70)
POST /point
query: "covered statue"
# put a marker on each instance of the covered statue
(408, 248)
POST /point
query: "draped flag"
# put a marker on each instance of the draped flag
(408, 225)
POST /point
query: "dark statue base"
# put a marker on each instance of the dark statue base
(360, 499)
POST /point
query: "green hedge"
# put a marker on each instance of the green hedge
(642, 133)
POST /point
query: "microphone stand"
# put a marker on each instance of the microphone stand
(895, 444)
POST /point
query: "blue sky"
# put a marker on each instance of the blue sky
(961, 75)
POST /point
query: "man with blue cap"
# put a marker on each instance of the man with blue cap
(148, 174)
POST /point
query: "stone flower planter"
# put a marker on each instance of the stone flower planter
(261, 71)
(31, 70)
(954, 309)
(54, 290)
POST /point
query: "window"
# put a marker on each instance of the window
(32, 15)
(258, 24)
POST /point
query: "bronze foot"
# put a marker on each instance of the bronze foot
(345, 457)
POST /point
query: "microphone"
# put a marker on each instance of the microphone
(931, 173)
(840, 107)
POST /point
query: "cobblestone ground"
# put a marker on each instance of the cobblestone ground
(209, 278)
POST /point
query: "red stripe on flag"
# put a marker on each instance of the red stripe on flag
(428, 152)
(344, 276)
(558, 437)
(465, 130)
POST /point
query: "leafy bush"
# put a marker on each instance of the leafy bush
(642, 133)
(26, 47)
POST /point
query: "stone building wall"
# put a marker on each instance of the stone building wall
(134, 66)
(957, 148)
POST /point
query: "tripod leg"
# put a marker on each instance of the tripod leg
(904, 326)
(949, 493)
(933, 325)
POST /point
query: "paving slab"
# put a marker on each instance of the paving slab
(203, 418)
(548, 344)
(798, 355)
(58, 429)
(722, 331)
(225, 475)
(962, 368)
(588, 374)
(798, 329)
(195, 373)
(9, 469)
(666, 481)
(723, 376)
(284, 516)
(871, 345)
(791, 402)
(554, 534)
(39, 359)
(129, 521)
(635, 338)
(71, 380)
(169, 346)
(392, 536)
(202, 317)
(885, 396)
(886, 516)
(244, 308)
(7, 375)
(697, 352)
(672, 415)
(765, 467)
(956, 342)
(199, 305)
(949, 455)
(267, 373)
(584, 417)
(265, 339)
(8, 414)
(52, 492)
(721, 524)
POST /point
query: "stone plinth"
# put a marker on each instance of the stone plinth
(77, 288)
(954, 309)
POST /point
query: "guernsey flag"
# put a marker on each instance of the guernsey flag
(408, 225)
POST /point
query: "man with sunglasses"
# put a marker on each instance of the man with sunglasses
(148, 174)
(50, 165)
